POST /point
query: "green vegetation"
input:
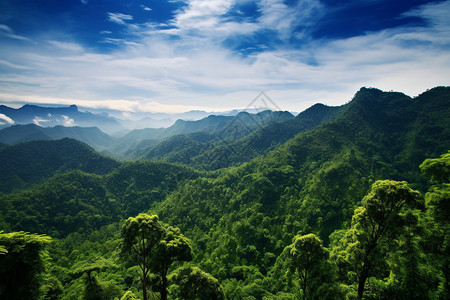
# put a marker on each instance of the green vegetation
(341, 210)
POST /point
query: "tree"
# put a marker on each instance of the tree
(91, 265)
(94, 289)
(437, 202)
(140, 236)
(307, 256)
(193, 283)
(21, 264)
(373, 225)
(172, 247)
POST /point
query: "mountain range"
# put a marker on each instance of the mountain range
(222, 127)
(243, 190)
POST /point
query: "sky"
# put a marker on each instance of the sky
(215, 55)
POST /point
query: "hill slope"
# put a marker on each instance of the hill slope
(312, 183)
(33, 162)
(223, 127)
(92, 136)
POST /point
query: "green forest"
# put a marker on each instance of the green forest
(349, 202)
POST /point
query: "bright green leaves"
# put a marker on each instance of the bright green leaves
(154, 247)
(193, 283)
(21, 264)
(139, 238)
(374, 225)
(437, 168)
(309, 259)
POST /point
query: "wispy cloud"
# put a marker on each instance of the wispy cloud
(285, 19)
(67, 46)
(185, 63)
(40, 121)
(6, 120)
(67, 121)
(12, 65)
(119, 18)
(8, 32)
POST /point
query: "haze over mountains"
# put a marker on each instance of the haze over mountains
(43, 123)
(111, 123)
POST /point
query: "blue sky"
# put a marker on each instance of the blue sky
(178, 55)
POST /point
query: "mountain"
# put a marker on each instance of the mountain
(78, 201)
(92, 136)
(33, 162)
(65, 116)
(265, 138)
(244, 221)
(213, 152)
(224, 127)
(311, 183)
(179, 148)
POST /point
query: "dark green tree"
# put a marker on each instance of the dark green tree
(140, 236)
(437, 202)
(93, 288)
(308, 257)
(172, 247)
(91, 265)
(21, 264)
(191, 283)
(373, 226)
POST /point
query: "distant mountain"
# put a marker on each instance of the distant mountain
(223, 127)
(64, 116)
(266, 138)
(33, 162)
(219, 151)
(92, 136)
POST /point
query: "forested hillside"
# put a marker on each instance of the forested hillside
(33, 162)
(338, 203)
(142, 143)
(31, 132)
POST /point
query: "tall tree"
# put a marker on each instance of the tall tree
(140, 236)
(373, 225)
(437, 202)
(172, 247)
(308, 256)
(21, 264)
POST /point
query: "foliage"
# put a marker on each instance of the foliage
(193, 283)
(140, 236)
(33, 162)
(21, 264)
(309, 258)
(374, 225)
(240, 224)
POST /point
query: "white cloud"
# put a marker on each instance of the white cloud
(276, 15)
(119, 18)
(187, 67)
(67, 46)
(38, 121)
(6, 28)
(84, 2)
(12, 65)
(68, 121)
(5, 120)
(145, 8)
(8, 32)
